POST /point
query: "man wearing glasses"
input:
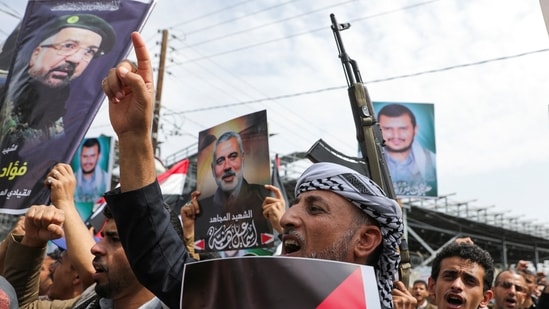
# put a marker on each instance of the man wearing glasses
(44, 68)
(509, 290)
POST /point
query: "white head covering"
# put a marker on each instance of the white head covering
(368, 197)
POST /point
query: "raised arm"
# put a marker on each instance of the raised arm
(131, 101)
(25, 253)
(62, 183)
(18, 229)
(154, 249)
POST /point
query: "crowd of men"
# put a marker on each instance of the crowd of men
(139, 260)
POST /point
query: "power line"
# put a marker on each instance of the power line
(307, 32)
(9, 11)
(269, 24)
(237, 86)
(239, 17)
(297, 94)
(208, 14)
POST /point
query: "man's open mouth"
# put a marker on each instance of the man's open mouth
(290, 245)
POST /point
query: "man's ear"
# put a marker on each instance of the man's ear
(487, 296)
(431, 288)
(369, 239)
(76, 279)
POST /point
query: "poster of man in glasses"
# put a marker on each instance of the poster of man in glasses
(53, 88)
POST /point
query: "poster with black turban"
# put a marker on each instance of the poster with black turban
(59, 53)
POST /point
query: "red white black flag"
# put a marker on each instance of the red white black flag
(278, 282)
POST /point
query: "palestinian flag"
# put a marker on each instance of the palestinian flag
(278, 282)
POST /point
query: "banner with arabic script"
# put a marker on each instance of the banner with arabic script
(233, 166)
(278, 282)
(53, 89)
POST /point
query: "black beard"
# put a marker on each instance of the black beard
(389, 149)
(88, 173)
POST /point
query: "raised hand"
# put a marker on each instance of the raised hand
(42, 223)
(188, 214)
(62, 183)
(274, 207)
(130, 91)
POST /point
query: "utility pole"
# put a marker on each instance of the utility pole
(156, 115)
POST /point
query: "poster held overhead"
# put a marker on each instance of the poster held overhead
(233, 166)
(53, 89)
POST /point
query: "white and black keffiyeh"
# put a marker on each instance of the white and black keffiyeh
(367, 196)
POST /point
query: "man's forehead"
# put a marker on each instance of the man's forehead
(403, 117)
(68, 33)
(93, 148)
(508, 275)
(110, 225)
(231, 142)
(329, 198)
(458, 264)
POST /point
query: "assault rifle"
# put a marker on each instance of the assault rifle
(368, 134)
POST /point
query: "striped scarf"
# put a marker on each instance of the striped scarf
(368, 197)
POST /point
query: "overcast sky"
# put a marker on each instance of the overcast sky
(483, 64)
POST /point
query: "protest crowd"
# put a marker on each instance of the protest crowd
(139, 255)
(137, 258)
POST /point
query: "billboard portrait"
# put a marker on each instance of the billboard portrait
(408, 130)
(233, 166)
(92, 166)
(53, 89)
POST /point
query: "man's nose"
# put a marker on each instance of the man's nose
(290, 218)
(457, 284)
(76, 57)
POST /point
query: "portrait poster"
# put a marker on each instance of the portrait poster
(92, 166)
(63, 49)
(278, 282)
(408, 131)
(232, 167)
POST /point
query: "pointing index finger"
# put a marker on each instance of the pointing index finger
(144, 67)
(277, 192)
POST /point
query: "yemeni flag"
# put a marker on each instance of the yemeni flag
(171, 183)
(278, 282)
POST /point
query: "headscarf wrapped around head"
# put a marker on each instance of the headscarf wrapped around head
(365, 194)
